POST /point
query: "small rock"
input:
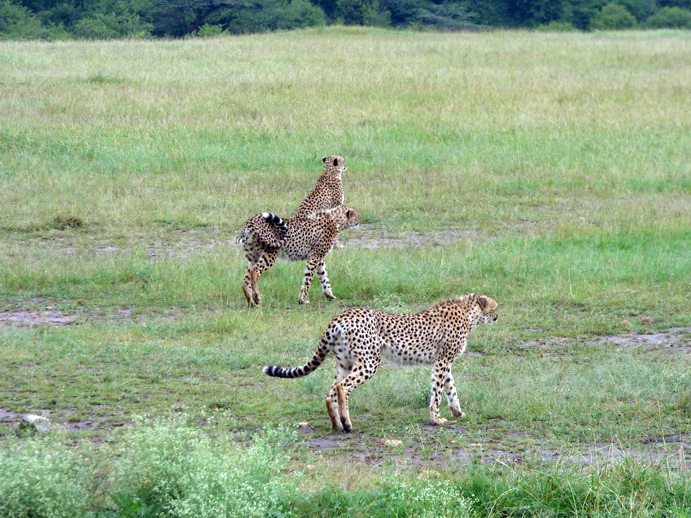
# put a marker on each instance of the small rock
(646, 321)
(624, 323)
(39, 423)
(303, 424)
(310, 467)
(391, 442)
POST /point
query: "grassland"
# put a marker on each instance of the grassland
(550, 171)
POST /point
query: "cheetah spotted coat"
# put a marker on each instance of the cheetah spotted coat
(328, 193)
(360, 338)
(266, 237)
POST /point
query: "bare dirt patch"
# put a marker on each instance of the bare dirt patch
(182, 243)
(671, 449)
(21, 318)
(674, 339)
(62, 418)
(39, 311)
(366, 237)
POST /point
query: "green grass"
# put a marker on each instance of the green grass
(549, 171)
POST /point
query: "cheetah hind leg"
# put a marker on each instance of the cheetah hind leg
(265, 262)
(358, 375)
(256, 296)
(332, 399)
(247, 288)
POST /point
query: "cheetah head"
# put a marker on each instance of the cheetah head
(489, 309)
(334, 163)
(350, 218)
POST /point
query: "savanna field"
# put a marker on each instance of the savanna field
(548, 170)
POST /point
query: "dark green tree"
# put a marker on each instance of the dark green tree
(529, 13)
(18, 22)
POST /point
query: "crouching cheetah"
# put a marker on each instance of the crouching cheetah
(266, 236)
(328, 193)
(360, 338)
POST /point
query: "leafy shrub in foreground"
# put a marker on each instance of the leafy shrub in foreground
(179, 471)
(42, 478)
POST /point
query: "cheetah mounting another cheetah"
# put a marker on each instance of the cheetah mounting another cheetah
(266, 236)
(359, 338)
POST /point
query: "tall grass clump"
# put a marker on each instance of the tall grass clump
(626, 489)
(179, 471)
(40, 478)
(392, 497)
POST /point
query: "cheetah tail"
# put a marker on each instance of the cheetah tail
(298, 372)
(277, 221)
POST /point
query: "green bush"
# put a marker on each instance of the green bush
(209, 30)
(179, 471)
(613, 17)
(670, 17)
(42, 478)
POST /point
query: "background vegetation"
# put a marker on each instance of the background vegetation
(549, 170)
(106, 19)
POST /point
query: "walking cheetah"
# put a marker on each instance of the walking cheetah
(266, 236)
(359, 338)
(328, 193)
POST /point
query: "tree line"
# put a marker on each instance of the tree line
(105, 19)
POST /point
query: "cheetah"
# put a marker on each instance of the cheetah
(266, 236)
(328, 193)
(360, 338)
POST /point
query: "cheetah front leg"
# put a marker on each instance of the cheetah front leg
(324, 279)
(439, 374)
(452, 397)
(312, 264)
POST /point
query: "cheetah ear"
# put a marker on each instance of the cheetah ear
(482, 302)
(324, 159)
(350, 213)
(336, 161)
